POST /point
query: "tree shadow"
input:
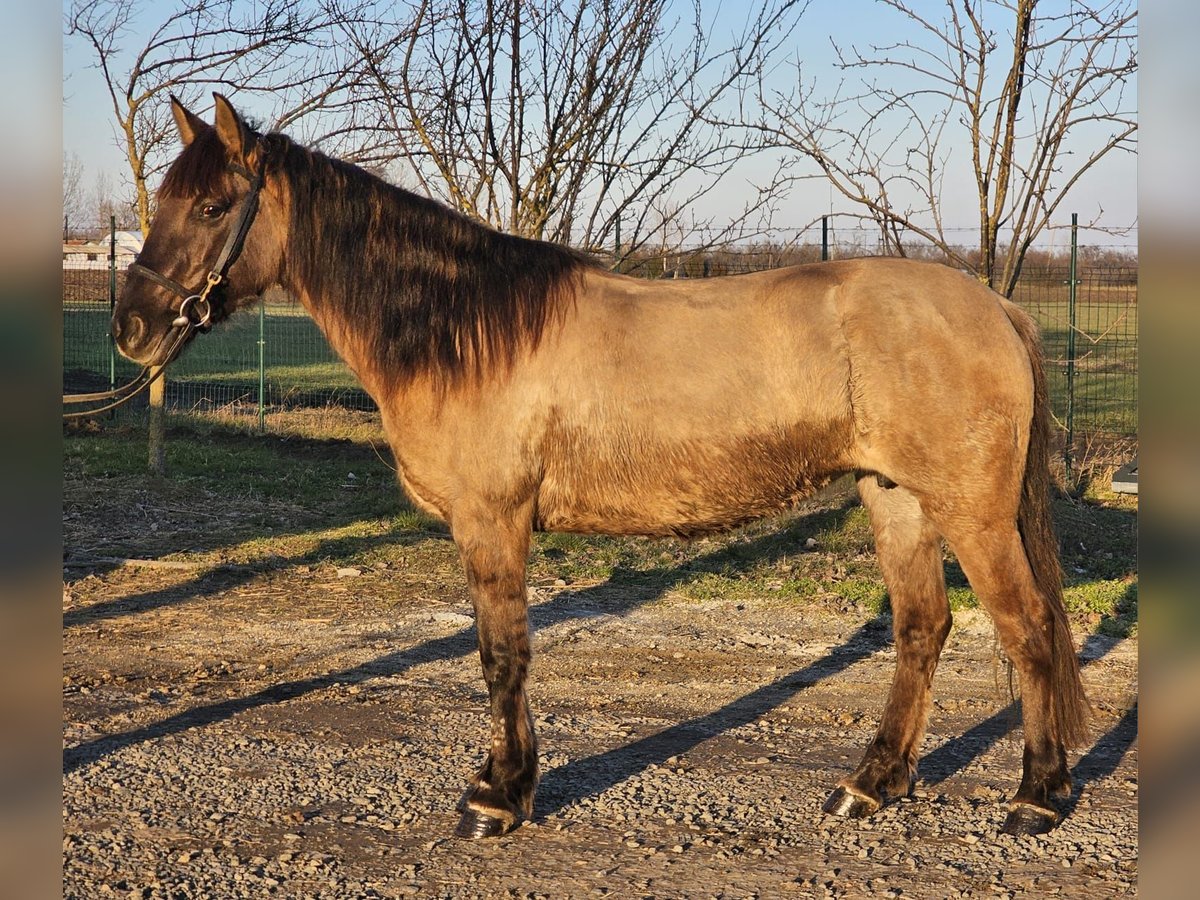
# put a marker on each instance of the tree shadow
(734, 557)
(625, 591)
(226, 577)
(284, 455)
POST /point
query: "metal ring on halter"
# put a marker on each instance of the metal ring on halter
(184, 319)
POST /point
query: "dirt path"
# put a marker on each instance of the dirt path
(297, 732)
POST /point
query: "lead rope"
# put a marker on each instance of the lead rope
(125, 392)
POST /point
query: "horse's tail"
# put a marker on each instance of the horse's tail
(1036, 525)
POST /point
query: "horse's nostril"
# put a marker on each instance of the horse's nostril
(129, 329)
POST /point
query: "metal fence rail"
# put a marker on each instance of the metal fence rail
(274, 358)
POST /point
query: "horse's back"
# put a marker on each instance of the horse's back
(687, 406)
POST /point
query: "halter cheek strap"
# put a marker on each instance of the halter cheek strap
(196, 310)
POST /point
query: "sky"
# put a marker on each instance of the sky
(1109, 192)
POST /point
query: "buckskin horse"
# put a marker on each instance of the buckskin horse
(522, 387)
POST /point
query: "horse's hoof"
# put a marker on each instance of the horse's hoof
(852, 806)
(1026, 819)
(475, 825)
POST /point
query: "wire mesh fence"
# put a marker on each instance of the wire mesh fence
(1102, 389)
(275, 346)
(272, 358)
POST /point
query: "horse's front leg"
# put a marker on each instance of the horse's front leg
(494, 554)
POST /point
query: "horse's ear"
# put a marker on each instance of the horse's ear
(235, 134)
(189, 125)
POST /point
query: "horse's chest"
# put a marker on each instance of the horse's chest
(423, 497)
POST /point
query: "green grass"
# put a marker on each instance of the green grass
(1105, 352)
(313, 476)
(296, 353)
(337, 501)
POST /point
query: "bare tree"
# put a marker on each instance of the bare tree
(1037, 101)
(74, 202)
(284, 49)
(107, 206)
(575, 121)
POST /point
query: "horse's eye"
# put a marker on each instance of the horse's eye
(212, 210)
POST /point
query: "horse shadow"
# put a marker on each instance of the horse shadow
(623, 592)
(223, 577)
(1100, 760)
(579, 779)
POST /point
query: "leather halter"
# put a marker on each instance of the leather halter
(196, 310)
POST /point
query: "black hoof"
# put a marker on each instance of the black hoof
(475, 825)
(1029, 820)
(852, 806)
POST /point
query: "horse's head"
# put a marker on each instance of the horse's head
(215, 242)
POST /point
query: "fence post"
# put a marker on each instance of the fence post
(824, 238)
(112, 299)
(158, 423)
(1071, 294)
(262, 363)
(156, 437)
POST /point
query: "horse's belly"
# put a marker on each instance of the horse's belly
(628, 486)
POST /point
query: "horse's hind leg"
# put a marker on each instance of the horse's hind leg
(494, 555)
(909, 552)
(996, 564)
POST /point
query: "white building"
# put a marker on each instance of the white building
(94, 254)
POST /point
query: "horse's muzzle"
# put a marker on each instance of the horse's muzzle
(137, 341)
(129, 331)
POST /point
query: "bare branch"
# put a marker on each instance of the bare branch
(283, 50)
(1039, 101)
(564, 120)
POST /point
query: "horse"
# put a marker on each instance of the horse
(525, 387)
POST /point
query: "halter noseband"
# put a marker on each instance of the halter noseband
(196, 310)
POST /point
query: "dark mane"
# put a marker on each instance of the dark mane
(435, 293)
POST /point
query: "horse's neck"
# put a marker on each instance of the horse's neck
(330, 310)
(349, 344)
(471, 300)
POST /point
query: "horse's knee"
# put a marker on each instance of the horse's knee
(505, 666)
(922, 634)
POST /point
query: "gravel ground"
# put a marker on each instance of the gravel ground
(306, 732)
